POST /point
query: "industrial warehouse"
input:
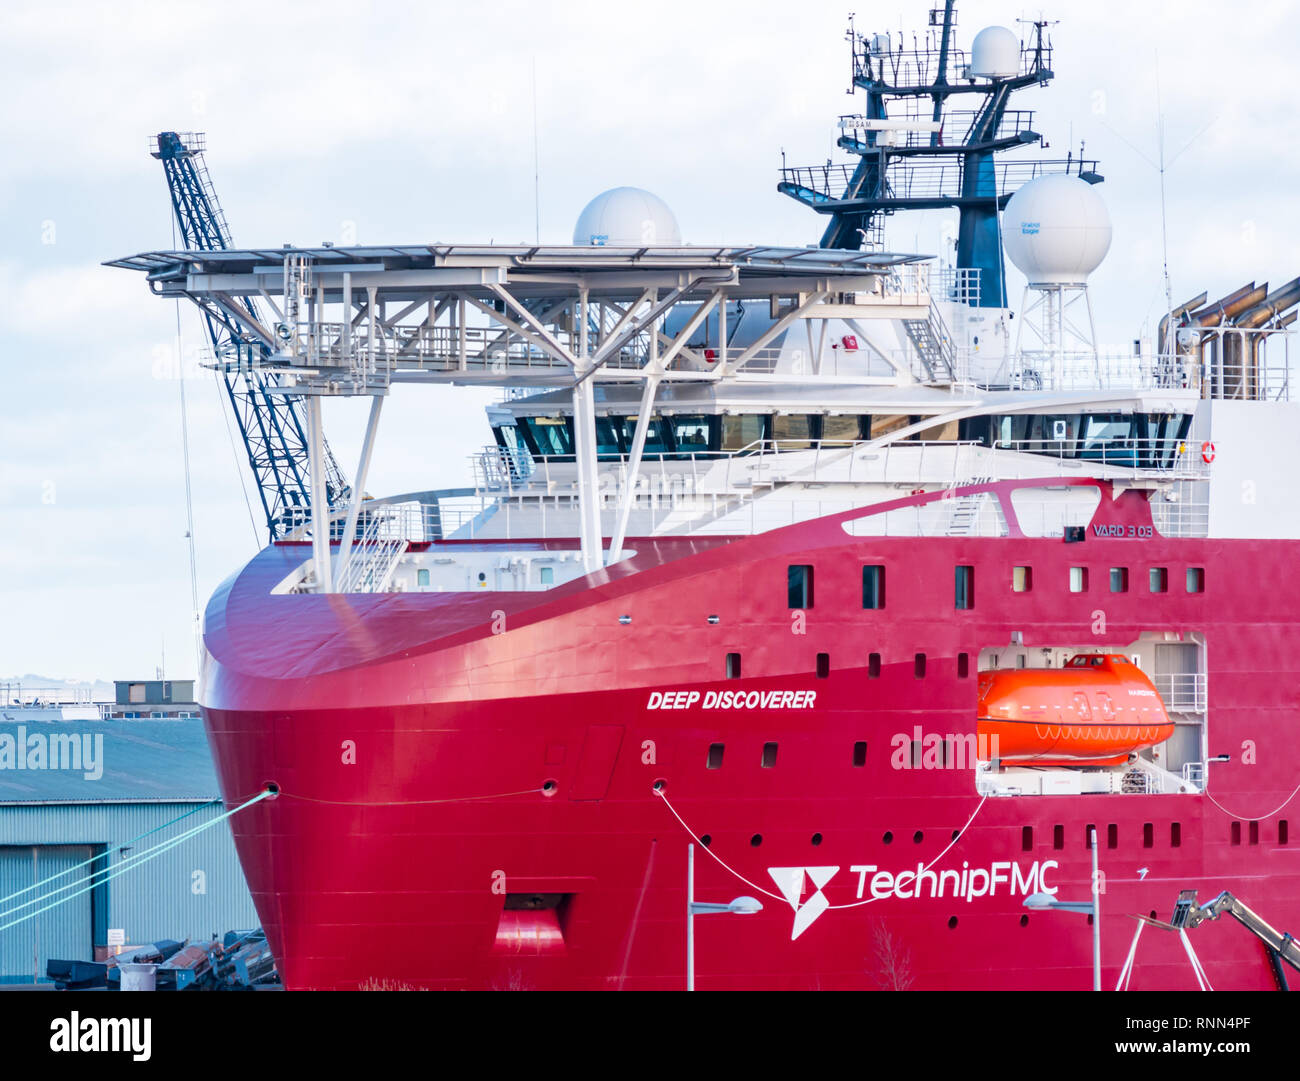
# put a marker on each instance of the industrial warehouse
(103, 845)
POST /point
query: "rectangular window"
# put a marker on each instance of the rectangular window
(873, 666)
(873, 586)
(1175, 834)
(1282, 831)
(1088, 832)
(1148, 835)
(136, 693)
(715, 755)
(1254, 833)
(860, 756)
(918, 666)
(1022, 579)
(422, 577)
(964, 588)
(823, 665)
(963, 665)
(799, 586)
(733, 665)
(546, 575)
(1027, 838)
(1058, 837)
(1195, 579)
(1236, 833)
(1159, 579)
(1112, 836)
(1078, 579)
(769, 755)
(1119, 579)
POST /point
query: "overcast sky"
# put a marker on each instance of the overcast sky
(413, 122)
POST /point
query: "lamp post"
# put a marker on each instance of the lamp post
(1042, 901)
(741, 906)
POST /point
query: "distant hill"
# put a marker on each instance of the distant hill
(100, 690)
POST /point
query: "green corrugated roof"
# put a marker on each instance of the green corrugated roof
(136, 761)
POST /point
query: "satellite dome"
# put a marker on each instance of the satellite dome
(995, 53)
(627, 218)
(1056, 230)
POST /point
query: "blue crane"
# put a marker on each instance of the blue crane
(270, 422)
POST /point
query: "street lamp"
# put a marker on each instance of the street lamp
(741, 906)
(1042, 901)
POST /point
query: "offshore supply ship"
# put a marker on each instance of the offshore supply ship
(897, 598)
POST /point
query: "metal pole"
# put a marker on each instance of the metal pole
(1096, 917)
(690, 917)
(320, 508)
(359, 485)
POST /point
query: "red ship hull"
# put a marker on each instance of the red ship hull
(411, 737)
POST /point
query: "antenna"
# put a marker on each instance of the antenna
(537, 184)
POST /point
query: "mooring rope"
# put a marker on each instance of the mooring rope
(1261, 818)
(777, 897)
(129, 864)
(105, 854)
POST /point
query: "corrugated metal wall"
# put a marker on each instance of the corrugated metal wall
(63, 931)
(193, 891)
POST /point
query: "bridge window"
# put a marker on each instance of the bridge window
(964, 588)
(740, 432)
(550, 436)
(873, 586)
(793, 432)
(799, 585)
(693, 435)
(656, 436)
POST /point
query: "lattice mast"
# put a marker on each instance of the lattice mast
(270, 423)
(915, 153)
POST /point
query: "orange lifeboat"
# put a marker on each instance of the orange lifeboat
(1095, 711)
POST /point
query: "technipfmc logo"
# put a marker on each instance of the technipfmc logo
(790, 881)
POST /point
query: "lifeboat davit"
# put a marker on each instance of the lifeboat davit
(1095, 711)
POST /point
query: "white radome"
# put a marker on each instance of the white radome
(995, 53)
(1056, 229)
(627, 218)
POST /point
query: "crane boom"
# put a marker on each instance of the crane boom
(270, 423)
(1188, 914)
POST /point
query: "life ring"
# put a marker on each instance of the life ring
(1207, 452)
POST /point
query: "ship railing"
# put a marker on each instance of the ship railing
(1182, 692)
(1263, 375)
(1179, 459)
